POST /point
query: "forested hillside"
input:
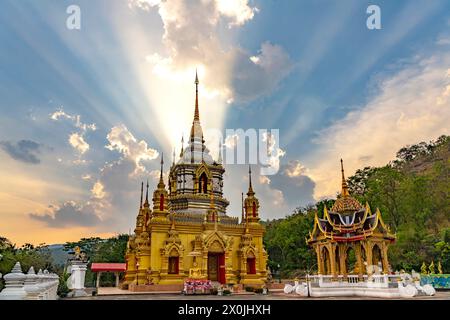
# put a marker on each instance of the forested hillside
(412, 192)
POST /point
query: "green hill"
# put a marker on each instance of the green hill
(413, 194)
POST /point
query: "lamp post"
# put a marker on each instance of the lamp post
(279, 273)
(307, 279)
(137, 273)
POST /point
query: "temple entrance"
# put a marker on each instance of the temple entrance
(337, 260)
(326, 261)
(216, 267)
(376, 255)
(350, 261)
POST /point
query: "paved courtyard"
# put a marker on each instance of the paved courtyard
(116, 294)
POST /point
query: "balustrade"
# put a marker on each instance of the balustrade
(30, 286)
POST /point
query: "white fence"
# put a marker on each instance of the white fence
(400, 285)
(30, 286)
(372, 281)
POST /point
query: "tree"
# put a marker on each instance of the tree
(101, 250)
(285, 241)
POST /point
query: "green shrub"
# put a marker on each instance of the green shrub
(259, 290)
(226, 292)
(249, 289)
(63, 290)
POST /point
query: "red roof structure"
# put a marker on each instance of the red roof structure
(111, 267)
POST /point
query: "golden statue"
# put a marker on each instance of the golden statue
(423, 268)
(195, 272)
(440, 268)
(431, 267)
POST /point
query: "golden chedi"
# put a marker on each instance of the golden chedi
(188, 234)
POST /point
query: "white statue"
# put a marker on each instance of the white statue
(407, 291)
(302, 290)
(429, 290)
(288, 288)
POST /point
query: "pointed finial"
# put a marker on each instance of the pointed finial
(219, 159)
(31, 270)
(250, 187)
(242, 207)
(182, 147)
(161, 180)
(142, 193)
(344, 191)
(162, 163)
(196, 113)
(173, 157)
(17, 268)
(146, 204)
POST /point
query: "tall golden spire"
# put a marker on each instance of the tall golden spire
(142, 193)
(182, 147)
(344, 192)
(196, 113)
(242, 207)
(196, 129)
(161, 180)
(146, 204)
(250, 191)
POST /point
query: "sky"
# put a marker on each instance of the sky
(85, 114)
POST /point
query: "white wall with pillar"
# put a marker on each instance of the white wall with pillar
(30, 286)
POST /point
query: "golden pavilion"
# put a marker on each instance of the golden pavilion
(187, 234)
(350, 239)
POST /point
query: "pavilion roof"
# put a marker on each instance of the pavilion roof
(108, 266)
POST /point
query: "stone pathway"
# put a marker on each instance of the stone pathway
(440, 295)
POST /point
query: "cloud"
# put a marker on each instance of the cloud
(24, 150)
(98, 190)
(69, 214)
(76, 140)
(237, 10)
(411, 105)
(226, 69)
(260, 74)
(264, 180)
(294, 169)
(296, 186)
(122, 140)
(76, 119)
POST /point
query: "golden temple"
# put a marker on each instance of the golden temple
(187, 233)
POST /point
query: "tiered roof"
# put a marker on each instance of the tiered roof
(348, 220)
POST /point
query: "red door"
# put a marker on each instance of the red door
(222, 268)
(251, 266)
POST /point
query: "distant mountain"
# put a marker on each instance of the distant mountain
(58, 254)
